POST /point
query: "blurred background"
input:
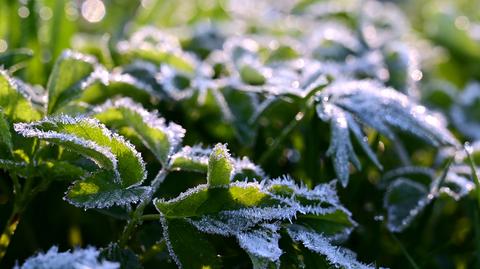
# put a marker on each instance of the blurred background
(446, 35)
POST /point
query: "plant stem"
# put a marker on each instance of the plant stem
(471, 162)
(22, 197)
(137, 217)
(9, 231)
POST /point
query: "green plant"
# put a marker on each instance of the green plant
(302, 89)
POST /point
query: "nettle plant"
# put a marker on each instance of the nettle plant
(343, 67)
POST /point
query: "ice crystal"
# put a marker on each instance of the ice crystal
(104, 149)
(76, 259)
(337, 256)
(173, 132)
(257, 226)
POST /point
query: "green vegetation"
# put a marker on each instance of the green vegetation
(239, 134)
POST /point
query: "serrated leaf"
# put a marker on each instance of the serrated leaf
(344, 104)
(205, 199)
(341, 149)
(187, 246)
(96, 191)
(93, 140)
(253, 213)
(337, 256)
(70, 75)
(15, 105)
(161, 138)
(384, 109)
(220, 166)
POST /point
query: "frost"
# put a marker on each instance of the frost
(78, 259)
(75, 134)
(172, 131)
(244, 166)
(337, 256)
(257, 226)
(189, 158)
(384, 109)
(262, 242)
(154, 45)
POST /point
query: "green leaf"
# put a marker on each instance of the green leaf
(93, 140)
(160, 138)
(252, 76)
(69, 76)
(153, 45)
(205, 199)
(15, 56)
(194, 159)
(5, 135)
(96, 191)
(14, 166)
(187, 246)
(16, 106)
(60, 170)
(220, 166)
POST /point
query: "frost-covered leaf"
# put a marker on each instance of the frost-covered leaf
(14, 166)
(404, 199)
(93, 140)
(341, 149)
(254, 212)
(195, 159)
(158, 136)
(16, 106)
(346, 104)
(96, 191)
(191, 159)
(261, 244)
(119, 82)
(220, 166)
(337, 256)
(245, 169)
(205, 199)
(187, 246)
(70, 75)
(77, 259)
(386, 109)
(153, 45)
